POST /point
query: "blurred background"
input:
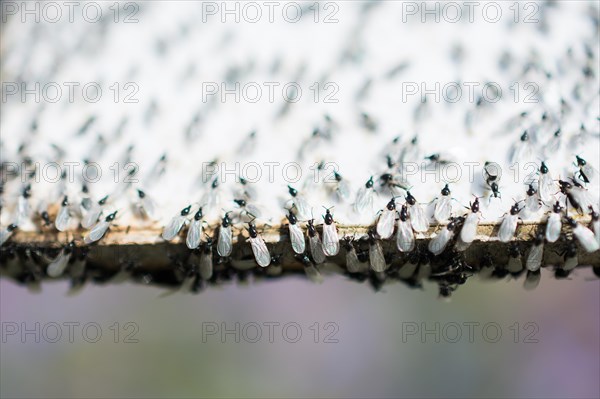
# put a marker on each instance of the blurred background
(373, 351)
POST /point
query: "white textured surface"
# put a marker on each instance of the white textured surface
(199, 52)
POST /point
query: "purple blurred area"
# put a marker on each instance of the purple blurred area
(375, 354)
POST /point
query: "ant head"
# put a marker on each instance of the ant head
(291, 217)
(390, 161)
(391, 205)
(564, 184)
(433, 157)
(580, 161)
(225, 222)
(446, 190)
(252, 229)
(312, 231)
(514, 210)
(557, 133)
(525, 136)
(27, 190)
(185, 211)
(386, 178)
(475, 204)
(410, 199)
(293, 192)
(452, 224)
(328, 217)
(404, 213)
(112, 216)
(556, 208)
(240, 202)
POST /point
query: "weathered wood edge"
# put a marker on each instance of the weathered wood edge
(150, 252)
